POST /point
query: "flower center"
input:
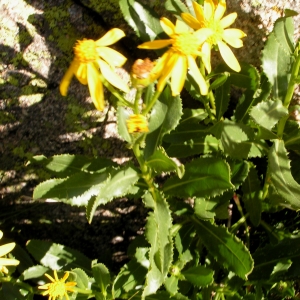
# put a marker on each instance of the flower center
(57, 289)
(217, 31)
(185, 43)
(85, 51)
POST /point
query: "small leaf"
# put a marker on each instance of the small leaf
(81, 278)
(204, 177)
(176, 7)
(34, 272)
(268, 113)
(225, 247)
(199, 276)
(284, 190)
(102, 277)
(143, 20)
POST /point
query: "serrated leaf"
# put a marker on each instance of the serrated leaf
(268, 113)
(276, 59)
(34, 272)
(122, 116)
(159, 236)
(199, 276)
(164, 117)
(204, 177)
(67, 164)
(159, 162)
(222, 97)
(267, 258)
(56, 256)
(102, 278)
(239, 171)
(204, 209)
(171, 284)
(225, 247)
(284, 190)
(192, 116)
(252, 196)
(81, 278)
(280, 269)
(143, 20)
(176, 7)
(292, 135)
(117, 185)
(234, 137)
(183, 240)
(199, 144)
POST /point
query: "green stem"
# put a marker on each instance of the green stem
(212, 100)
(207, 107)
(138, 95)
(240, 222)
(115, 92)
(269, 229)
(150, 105)
(290, 92)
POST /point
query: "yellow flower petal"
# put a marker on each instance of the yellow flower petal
(64, 84)
(159, 66)
(167, 26)
(81, 74)
(180, 27)
(202, 34)
(5, 249)
(95, 87)
(209, 8)
(196, 74)
(190, 20)
(229, 57)
(8, 262)
(110, 37)
(158, 44)
(178, 75)
(206, 52)
(198, 11)
(228, 20)
(220, 10)
(232, 41)
(112, 77)
(112, 56)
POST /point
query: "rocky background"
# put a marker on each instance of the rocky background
(36, 40)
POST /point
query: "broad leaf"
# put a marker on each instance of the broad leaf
(269, 260)
(199, 276)
(225, 248)
(56, 256)
(164, 117)
(143, 20)
(34, 272)
(277, 55)
(159, 236)
(222, 96)
(171, 284)
(284, 190)
(204, 177)
(267, 114)
(252, 196)
(81, 278)
(102, 278)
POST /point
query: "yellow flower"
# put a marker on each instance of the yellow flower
(180, 57)
(57, 288)
(4, 250)
(137, 123)
(91, 55)
(211, 16)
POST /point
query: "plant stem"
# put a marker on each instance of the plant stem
(269, 229)
(115, 92)
(290, 91)
(241, 221)
(212, 100)
(138, 95)
(150, 105)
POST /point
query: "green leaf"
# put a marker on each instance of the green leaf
(222, 97)
(199, 276)
(159, 236)
(292, 135)
(252, 196)
(132, 274)
(143, 20)
(117, 185)
(164, 117)
(185, 146)
(268, 113)
(204, 177)
(277, 55)
(68, 164)
(282, 260)
(81, 278)
(56, 256)
(283, 190)
(122, 116)
(34, 272)
(10, 291)
(239, 171)
(171, 284)
(176, 7)
(225, 248)
(234, 137)
(102, 277)
(159, 162)
(204, 209)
